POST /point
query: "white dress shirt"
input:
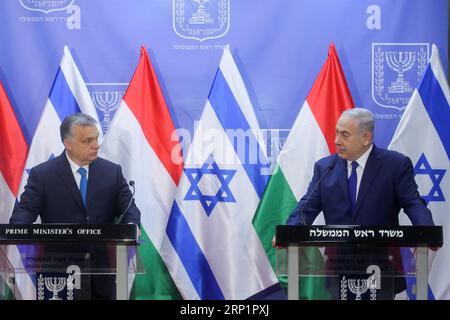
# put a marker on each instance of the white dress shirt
(75, 172)
(360, 169)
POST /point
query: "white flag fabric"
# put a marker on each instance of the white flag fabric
(218, 253)
(68, 95)
(423, 134)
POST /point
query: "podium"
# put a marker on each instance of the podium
(379, 245)
(72, 254)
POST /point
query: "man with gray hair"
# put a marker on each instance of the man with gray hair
(361, 184)
(77, 186)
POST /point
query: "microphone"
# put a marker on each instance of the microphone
(327, 171)
(131, 183)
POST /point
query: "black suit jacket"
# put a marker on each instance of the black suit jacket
(52, 193)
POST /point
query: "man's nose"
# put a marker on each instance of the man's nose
(337, 141)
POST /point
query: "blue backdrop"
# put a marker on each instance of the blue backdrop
(279, 47)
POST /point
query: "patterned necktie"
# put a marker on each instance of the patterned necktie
(352, 183)
(83, 184)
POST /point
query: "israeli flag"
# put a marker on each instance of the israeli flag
(423, 134)
(214, 251)
(67, 95)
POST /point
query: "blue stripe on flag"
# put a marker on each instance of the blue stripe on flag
(191, 256)
(274, 292)
(409, 268)
(62, 97)
(231, 117)
(437, 106)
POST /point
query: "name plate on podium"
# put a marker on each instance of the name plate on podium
(124, 234)
(401, 236)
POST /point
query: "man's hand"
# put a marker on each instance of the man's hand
(274, 245)
(138, 229)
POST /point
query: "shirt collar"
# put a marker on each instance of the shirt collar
(74, 166)
(361, 160)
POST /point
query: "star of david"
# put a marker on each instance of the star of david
(224, 176)
(436, 176)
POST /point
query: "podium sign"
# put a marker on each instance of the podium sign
(356, 262)
(66, 258)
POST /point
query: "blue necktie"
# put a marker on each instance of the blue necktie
(352, 183)
(83, 185)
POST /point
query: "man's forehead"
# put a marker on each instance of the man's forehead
(347, 124)
(346, 121)
(86, 129)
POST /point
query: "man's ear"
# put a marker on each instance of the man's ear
(67, 144)
(367, 138)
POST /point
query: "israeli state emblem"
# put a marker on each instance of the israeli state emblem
(58, 286)
(396, 71)
(361, 286)
(46, 6)
(201, 19)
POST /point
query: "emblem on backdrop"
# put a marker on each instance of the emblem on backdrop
(106, 98)
(274, 139)
(396, 71)
(45, 5)
(201, 19)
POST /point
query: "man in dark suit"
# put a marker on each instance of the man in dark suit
(362, 184)
(77, 186)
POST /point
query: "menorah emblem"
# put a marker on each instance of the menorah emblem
(107, 102)
(275, 139)
(400, 62)
(55, 285)
(396, 70)
(358, 287)
(201, 16)
(201, 19)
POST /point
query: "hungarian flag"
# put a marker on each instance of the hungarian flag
(310, 139)
(13, 154)
(143, 141)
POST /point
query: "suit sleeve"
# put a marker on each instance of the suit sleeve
(132, 215)
(409, 197)
(31, 201)
(310, 202)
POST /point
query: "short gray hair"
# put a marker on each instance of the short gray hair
(363, 116)
(76, 119)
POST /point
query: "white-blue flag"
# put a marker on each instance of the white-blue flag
(423, 134)
(68, 95)
(216, 252)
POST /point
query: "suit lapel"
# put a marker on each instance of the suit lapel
(369, 174)
(66, 175)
